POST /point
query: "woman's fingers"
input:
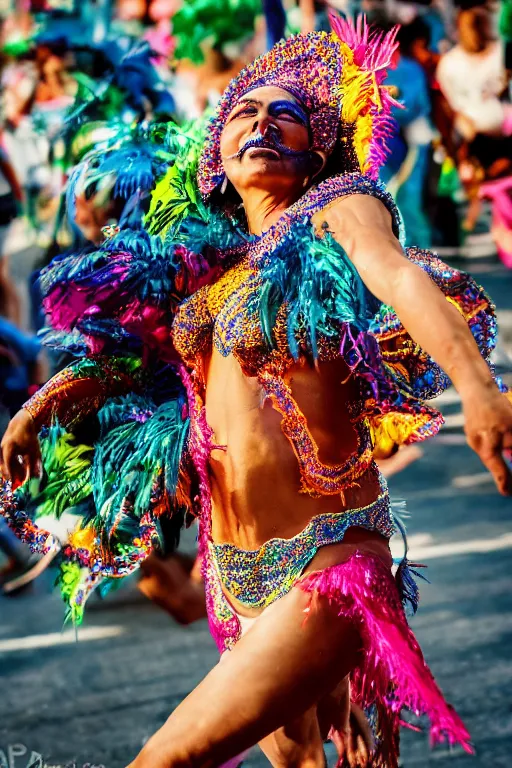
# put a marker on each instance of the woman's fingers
(18, 467)
(3, 468)
(490, 449)
(488, 427)
(362, 753)
(500, 472)
(20, 458)
(7, 460)
(16, 464)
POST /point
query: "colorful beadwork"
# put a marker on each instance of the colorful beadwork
(227, 311)
(335, 75)
(309, 67)
(81, 388)
(288, 296)
(257, 578)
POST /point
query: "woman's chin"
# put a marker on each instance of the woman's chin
(263, 165)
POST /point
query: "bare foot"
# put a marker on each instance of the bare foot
(168, 583)
(355, 744)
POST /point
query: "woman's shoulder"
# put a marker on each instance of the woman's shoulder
(364, 208)
(354, 195)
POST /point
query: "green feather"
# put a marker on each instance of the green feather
(200, 25)
(67, 475)
(176, 195)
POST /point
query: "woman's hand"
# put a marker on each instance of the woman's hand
(20, 454)
(488, 427)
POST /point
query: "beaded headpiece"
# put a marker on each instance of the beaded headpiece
(337, 76)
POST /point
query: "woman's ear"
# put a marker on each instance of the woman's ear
(318, 161)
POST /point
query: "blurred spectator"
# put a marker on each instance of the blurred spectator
(26, 148)
(10, 201)
(474, 80)
(406, 169)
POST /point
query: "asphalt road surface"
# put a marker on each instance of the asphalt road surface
(97, 700)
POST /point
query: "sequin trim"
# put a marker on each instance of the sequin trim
(258, 577)
(317, 478)
(82, 388)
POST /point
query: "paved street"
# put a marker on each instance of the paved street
(97, 700)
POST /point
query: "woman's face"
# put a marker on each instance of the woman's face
(474, 30)
(266, 141)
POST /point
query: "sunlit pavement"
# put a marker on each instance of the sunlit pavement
(97, 700)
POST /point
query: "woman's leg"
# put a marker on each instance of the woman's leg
(291, 658)
(300, 743)
(169, 583)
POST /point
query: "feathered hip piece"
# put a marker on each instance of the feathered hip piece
(393, 674)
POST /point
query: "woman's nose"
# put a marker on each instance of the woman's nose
(262, 124)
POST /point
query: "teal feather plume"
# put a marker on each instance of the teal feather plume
(136, 463)
(319, 285)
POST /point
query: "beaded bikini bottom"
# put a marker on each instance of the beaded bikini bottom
(258, 577)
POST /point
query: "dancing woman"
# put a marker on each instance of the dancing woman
(305, 345)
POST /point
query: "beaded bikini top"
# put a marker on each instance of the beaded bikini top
(228, 310)
(229, 314)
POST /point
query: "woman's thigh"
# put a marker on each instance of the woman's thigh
(292, 656)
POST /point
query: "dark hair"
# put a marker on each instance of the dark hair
(411, 33)
(343, 158)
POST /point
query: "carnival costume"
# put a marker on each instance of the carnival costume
(140, 313)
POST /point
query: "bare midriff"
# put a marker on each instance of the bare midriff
(255, 478)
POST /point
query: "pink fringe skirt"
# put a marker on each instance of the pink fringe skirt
(393, 674)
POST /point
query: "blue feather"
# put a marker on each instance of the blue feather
(320, 287)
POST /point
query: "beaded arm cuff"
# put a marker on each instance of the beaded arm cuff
(418, 375)
(81, 389)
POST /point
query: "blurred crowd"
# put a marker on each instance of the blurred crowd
(145, 61)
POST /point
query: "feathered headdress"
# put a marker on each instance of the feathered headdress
(338, 76)
(365, 102)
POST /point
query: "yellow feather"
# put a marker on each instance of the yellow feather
(83, 538)
(392, 429)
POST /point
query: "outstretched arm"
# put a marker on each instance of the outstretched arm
(362, 226)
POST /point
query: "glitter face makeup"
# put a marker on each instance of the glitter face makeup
(267, 140)
(306, 66)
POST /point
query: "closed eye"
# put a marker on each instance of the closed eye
(247, 111)
(284, 115)
(290, 112)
